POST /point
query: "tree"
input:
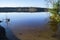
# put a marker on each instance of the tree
(55, 16)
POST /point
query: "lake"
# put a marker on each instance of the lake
(25, 18)
(21, 22)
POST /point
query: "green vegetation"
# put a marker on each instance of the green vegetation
(55, 16)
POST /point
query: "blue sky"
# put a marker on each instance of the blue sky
(23, 3)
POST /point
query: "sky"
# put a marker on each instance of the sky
(23, 3)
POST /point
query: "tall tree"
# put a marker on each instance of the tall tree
(55, 16)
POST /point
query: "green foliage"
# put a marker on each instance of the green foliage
(55, 17)
(54, 12)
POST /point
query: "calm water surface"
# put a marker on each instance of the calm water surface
(30, 19)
